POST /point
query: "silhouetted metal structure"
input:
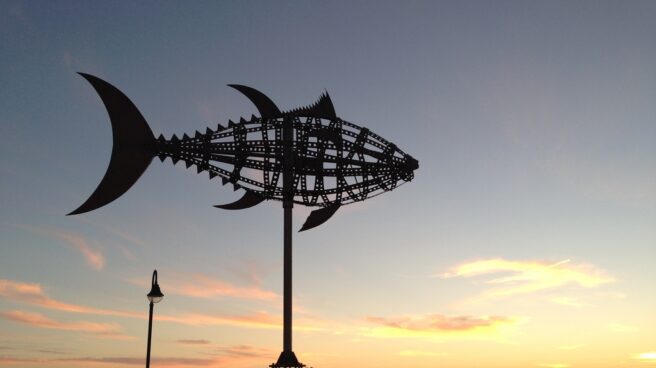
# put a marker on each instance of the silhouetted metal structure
(307, 156)
(154, 296)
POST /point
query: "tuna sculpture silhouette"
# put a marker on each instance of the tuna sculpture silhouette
(307, 156)
(324, 161)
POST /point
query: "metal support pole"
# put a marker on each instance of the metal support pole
(288, 204)
(150, 331)
(287, 358)
(287, 288)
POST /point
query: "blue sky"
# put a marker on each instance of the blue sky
(533, 122)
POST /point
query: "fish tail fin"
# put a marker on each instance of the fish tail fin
(133, 146)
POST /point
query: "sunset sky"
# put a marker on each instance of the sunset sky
(526, 239)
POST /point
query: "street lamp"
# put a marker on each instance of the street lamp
(155, 296)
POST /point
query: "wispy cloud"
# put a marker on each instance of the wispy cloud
(193, 342)
(127, 253)
(420, 353)
(255, 320)
(245, 351)
(93, 257)
(110, 330)
(116, 232)
(30, 348)
(201, 286)
(164, 361)
(17, 360)
(223, 356)
(33, 294)
(436, 325)
(649, 357)
(105, 361)
(438, 322)
(531, 276)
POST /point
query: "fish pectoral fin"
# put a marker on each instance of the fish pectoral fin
(318, 217)
(266, 107)
(249, 199)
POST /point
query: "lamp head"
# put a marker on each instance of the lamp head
(155, 295)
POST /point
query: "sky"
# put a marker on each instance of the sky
(526, 239)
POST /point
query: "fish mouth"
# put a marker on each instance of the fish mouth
(411, 164)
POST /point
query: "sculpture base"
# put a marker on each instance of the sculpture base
(287, 359)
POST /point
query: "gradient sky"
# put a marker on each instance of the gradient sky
(527, 238)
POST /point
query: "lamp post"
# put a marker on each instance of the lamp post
(155, 296)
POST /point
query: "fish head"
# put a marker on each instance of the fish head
(408, 167)
(379, 157)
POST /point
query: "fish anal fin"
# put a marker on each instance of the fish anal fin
(249, 199)
(318, 217)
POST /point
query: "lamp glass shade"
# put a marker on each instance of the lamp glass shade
(155, 295)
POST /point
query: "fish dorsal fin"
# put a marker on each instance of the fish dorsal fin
(266, 107)
(323, 108)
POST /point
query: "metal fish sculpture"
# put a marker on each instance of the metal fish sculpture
(306, 156)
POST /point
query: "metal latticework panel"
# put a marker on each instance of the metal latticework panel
(334, 161)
